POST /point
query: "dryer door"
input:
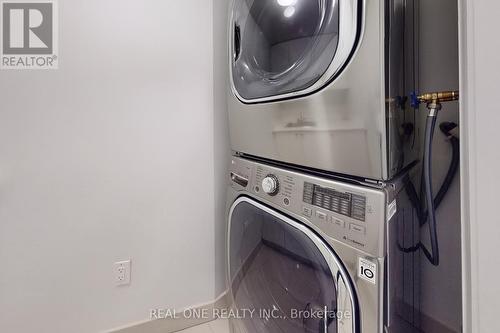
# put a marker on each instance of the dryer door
(283, 49)
(285, 278)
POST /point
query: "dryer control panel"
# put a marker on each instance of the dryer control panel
(348, 213)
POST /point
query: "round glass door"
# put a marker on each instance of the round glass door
(283, 277)
(282, 48)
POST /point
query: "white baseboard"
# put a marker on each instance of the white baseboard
(178, 324)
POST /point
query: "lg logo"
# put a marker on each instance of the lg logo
(29, 38)
(367, 270)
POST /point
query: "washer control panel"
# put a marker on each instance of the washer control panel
(343, 203)
(351, 214)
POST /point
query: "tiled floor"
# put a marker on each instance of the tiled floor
(217, 326)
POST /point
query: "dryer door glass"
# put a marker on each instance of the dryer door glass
(283, 272)
(282, 48)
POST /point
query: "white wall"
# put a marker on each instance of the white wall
(109, 158)
(221, 143)
(439, 71)
(481, 163)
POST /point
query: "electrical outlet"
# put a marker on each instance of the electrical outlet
(122, 273)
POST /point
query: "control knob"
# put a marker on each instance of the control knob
(271, 185)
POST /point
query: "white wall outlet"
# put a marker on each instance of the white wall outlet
(122, 273)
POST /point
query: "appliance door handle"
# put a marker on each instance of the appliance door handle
(240, 180)
(237, 41)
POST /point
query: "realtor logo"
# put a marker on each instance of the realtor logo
(29, 35)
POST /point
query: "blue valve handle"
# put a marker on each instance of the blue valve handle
(415, 102)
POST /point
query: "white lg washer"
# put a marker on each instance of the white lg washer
(311, 254)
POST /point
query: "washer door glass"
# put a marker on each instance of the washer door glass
(282, 48)
(283, 277)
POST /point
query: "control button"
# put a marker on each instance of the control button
(357, 228)
(338, 222)
(308, 193)
(270, 185)
(321, 216)
(327, 201)
(257, 189)
(307, 211)
(286, 201)
(318, 200)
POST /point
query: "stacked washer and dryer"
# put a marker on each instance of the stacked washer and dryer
(318, 218)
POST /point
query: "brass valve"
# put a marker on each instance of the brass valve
(439, 97)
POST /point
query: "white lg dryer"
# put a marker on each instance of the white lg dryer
(321, 84)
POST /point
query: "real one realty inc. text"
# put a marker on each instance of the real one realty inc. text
(266, 314)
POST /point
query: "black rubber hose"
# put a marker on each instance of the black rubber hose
(455, 163)
(452, 170)
(415, 200)
(450, 176)
(433, 256)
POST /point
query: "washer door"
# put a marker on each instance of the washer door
(283, 277)
(289, 48)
